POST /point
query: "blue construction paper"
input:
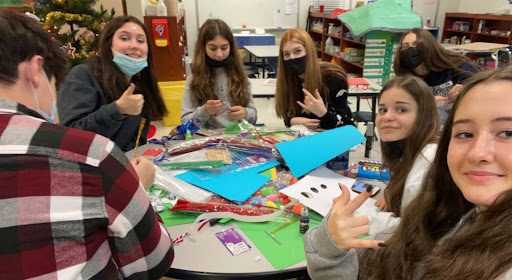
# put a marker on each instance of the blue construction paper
(237, 186)
(307, 153)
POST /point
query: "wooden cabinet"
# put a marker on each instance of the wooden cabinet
(345, 50)
(169, 60)
(477, 28)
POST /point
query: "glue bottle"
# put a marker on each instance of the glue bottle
(304, 220)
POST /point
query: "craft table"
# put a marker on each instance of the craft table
(207, 258)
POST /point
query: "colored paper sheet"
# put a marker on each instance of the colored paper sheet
(307, 153)
(289, 237)
(236, 186)
(172, 218)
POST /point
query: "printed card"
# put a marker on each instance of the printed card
(233, 241)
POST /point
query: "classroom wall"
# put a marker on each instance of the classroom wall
(191, 21)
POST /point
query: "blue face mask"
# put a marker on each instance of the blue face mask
(129, 65)
(53, 111)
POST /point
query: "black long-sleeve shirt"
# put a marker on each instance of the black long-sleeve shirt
(338, 113)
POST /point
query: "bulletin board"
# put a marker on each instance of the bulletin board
(249, 13)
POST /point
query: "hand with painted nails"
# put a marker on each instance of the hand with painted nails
(314, 104)
(214, 107)
(343, 227)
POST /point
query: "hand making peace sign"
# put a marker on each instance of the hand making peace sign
(344, 227)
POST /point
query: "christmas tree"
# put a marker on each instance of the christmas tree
(75, 23)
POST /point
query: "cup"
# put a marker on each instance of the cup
(321, 7)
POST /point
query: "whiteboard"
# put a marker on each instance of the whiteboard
(251, 13)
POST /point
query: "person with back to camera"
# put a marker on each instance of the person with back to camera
(459, 225)
(408, 125)
(443, 70)
(115, 89)
(308, 92)
(218, 91)
(72, 206)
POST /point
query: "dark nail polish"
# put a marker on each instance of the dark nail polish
(382, 244)
(369, 188)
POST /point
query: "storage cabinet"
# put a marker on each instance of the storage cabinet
(168, 60)
(459, 27)
(344, 50)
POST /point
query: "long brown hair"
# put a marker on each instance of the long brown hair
(114, 82)
(203, 76)
(425, 128)
(435, 57)
(481, 250)
(288, 85)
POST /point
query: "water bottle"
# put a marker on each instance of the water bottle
(329, 45)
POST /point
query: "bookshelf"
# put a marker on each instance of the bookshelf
(345, 51)
(477, 28)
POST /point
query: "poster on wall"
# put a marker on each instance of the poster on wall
(379, 55)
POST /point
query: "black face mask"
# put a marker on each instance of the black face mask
(216, 63)
(395, 148)
(297, 65)
(411, 58)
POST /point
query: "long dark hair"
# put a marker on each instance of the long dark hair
(480, 251)
(288, 84)
(426, 127)
(114, 82)
(203, 75)
(435, 57)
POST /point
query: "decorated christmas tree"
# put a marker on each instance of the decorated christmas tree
(75, 23)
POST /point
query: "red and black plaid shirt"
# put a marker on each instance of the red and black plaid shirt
(71, 206)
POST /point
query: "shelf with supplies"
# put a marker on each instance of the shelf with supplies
(465, 27)
(334, 43)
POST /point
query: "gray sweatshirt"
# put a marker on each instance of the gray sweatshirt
(190, 109)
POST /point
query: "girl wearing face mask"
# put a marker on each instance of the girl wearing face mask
(218, 91)
(111, 92)
(309, 92)
(444, 71)
(459, 225)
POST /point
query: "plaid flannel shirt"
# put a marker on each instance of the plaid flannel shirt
(71, 206)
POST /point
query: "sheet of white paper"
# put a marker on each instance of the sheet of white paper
(318, 189)
(291, 7)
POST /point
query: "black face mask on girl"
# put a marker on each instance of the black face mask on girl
(395, 148)
(216, 63)
(297, 65)
(411, 58)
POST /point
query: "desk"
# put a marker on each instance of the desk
(372, 91)
(263, 87)
(263, 52)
